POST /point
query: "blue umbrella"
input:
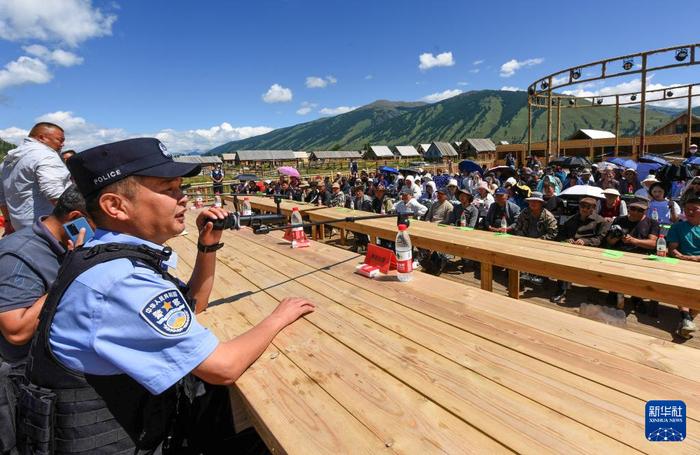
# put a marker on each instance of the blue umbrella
(388, 170)
(620, 162)
(653, 159)
(469, 166)
(644, 169)
(692, 161)
(623, 163)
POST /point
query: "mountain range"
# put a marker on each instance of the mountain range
(496, 114)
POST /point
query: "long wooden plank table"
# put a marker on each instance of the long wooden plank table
(632, 274)
(432, 366)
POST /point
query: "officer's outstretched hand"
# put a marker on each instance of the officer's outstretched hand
(290, 309)
(207, 234)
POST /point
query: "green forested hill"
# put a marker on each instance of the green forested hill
(4, 148)
(499, 115)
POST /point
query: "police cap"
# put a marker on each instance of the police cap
(95, 168)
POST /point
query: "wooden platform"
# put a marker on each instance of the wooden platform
(433, 366)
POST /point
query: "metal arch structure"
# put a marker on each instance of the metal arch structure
(541, 92)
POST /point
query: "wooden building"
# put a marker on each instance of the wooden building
(679, 125)
(379, 152)
(423, 149)
(207, 162)
(591, 134)
(258, 157)
(479, 149)
(406, 151)
(324, 156)
(229, 159)
(439, 151)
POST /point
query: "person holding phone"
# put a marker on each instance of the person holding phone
(29, 262)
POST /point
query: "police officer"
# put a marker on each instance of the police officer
(119, 349)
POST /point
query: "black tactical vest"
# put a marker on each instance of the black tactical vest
(64, 411)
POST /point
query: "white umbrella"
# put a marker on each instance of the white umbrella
(583, 191)
(605, 165)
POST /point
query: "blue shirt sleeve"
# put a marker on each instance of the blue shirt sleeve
(20, 287)
(146, 329)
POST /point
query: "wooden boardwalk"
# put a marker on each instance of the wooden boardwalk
(433, 366)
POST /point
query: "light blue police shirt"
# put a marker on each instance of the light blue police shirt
(119, 317)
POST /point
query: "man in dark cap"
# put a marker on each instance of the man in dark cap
(636, 233)
(120, 346)
(587, 228)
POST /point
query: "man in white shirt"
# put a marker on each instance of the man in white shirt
(409, 204)
(33, 176)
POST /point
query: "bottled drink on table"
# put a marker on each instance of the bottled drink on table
(296, 221)
(404, 254)
(246, 208)
(661, 249)
(504, 224)
(463, 220)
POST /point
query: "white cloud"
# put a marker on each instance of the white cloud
(66, 21)
(462, 83)
(369, 77)
(319, 82)
(306, 108)
(13, 134)
(24, 70)
(511, 66)
(428, 60)
(207, 138)
(81, 134)
(439, 96)
(474, 71)
(635, 86)
(510, 88)
(277, 94)
(477, 62)
(336, 110)
(58, 56)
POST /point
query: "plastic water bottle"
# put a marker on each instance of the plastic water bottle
(382, 210)
(404, 254)
(463, 220)
(246, 208)
(296, 221)
(504, 224)
(217, 201)
(661, 249)
(655, 215)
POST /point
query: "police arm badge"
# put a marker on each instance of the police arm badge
(168, 313)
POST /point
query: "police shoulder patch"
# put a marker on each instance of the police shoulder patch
(168, 313)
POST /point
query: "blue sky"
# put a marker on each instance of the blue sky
(196, 73)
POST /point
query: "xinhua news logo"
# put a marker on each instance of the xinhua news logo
(665, 421)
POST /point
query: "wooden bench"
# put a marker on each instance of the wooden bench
(632, 274)
(432, 365)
